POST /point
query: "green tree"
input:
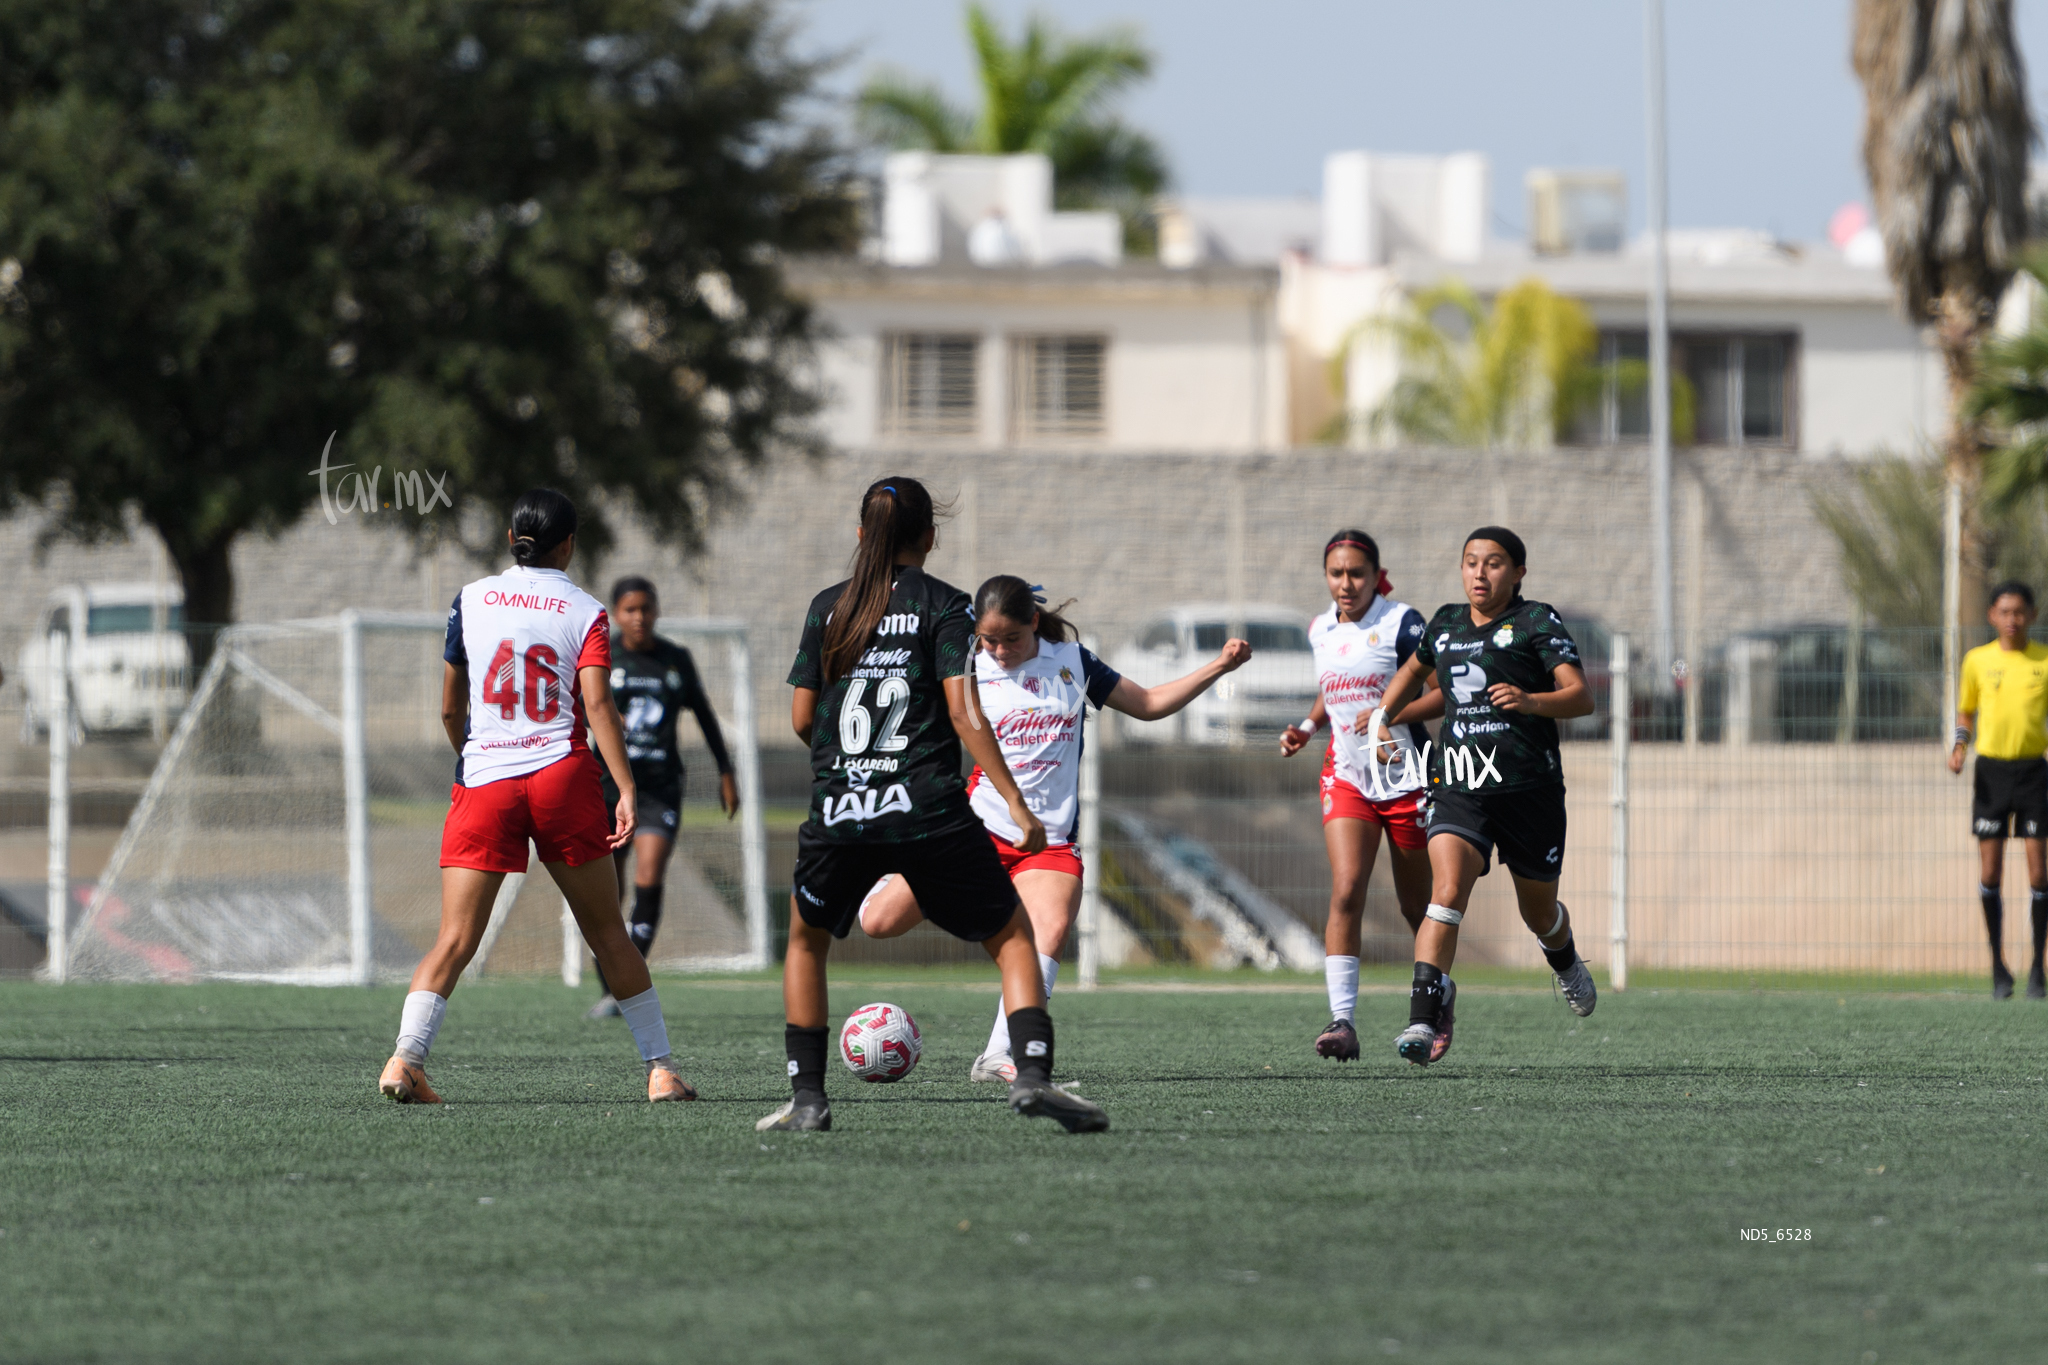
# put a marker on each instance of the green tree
(1512, 375)
(506, 244)
(1946, 134)
(1046, 92)
(1888, 525)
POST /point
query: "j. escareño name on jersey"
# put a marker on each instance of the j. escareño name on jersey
(1480, 747)
(885, 762)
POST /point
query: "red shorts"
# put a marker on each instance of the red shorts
(1401, 815)
(1051, 858)
(559, 807)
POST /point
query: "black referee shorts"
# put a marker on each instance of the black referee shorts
(2010, 792)
(1527, 825)
(957, 878)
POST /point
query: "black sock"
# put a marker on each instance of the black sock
(2037, 908)
(806, 1048)
(601, 983)
(1994, 923)
(646, 917)
(1560, 959)
(1426, 996)
(1031, 1044)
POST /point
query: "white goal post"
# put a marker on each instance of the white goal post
(239, 861)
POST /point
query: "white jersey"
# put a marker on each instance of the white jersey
(522, 635)
(1355, 660)
(1035, 710)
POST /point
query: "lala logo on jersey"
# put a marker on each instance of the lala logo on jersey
(867, 804)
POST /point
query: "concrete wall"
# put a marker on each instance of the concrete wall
(1128, 534)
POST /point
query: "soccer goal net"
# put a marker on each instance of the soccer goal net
(291, 830)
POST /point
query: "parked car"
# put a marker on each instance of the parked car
(1252, 705)
(128, 657)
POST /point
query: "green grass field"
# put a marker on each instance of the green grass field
(207, 1173)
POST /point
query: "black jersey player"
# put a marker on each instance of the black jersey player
(655, 681)
(1509, 672)
(885, 701)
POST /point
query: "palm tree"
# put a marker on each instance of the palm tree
(1512, 375)
(1048, 93)
(1945, 138)
(2010, 399)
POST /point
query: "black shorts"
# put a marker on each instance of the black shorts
(2010, 792)
(957, 878)
(657, 810)
(1527, 825)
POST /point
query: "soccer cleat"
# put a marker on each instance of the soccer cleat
(605, 1008)
(1044, 1100)
(665, 1083)
(2037, 984)
(1415, 1043)
(1338, 1040)
(1577, 984)
(406, 1082)
(1444, 1020)
(815, 1117)
(2001, 982)
(993, 1066)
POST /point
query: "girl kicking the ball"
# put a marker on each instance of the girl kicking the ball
(1035, 683)
(883, 701)
(1509, 672)
(518, 721)
(1360, 643)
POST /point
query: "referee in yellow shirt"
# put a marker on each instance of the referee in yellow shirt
(2005, 692)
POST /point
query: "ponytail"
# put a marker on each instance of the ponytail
(1010, 596)
(895, 515)
(541, 520)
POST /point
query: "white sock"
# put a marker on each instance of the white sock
(418, 1023)
(643, 1015)
(1340, 974)
(999, 1036)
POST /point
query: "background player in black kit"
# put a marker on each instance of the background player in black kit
(655, 681)
(885, 701)
(1509, 672)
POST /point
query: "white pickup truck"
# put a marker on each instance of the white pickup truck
(1248, 707)
(129, 664)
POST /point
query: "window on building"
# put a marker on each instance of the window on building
(1742, 388)
(1059, 390)
(930, 384)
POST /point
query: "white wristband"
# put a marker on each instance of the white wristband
(1309, 726)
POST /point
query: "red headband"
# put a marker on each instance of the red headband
(1384, 587)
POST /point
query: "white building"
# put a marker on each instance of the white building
(983, 319)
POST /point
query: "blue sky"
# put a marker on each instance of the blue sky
(1763, 111)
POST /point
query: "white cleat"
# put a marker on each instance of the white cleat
(1577, 984)
(993, 1066)
(1415, 1043)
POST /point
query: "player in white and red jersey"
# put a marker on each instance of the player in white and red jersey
(1359, 643)
(1035, 684)
(526, 688)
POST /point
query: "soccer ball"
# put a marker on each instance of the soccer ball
(880, 1042)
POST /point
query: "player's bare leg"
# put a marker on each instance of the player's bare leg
(1547, 918)
(804, 1006)
(466, 897)
(591, 889)
(2037, 914)
(1454, 870)
(1051, 900)
(1353, 846)
(1991, 876)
